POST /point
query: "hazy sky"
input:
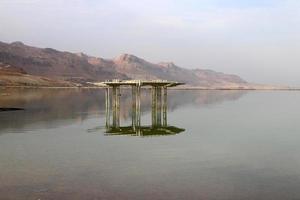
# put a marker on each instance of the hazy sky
(256, 39)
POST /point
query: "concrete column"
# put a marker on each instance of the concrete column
(133, 114)
(114, 105)
(107, 107)
(159, 105)
(154, 105)
(138, 105)
(118, 107)
(165, 105)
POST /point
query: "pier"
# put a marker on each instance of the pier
(159, 91)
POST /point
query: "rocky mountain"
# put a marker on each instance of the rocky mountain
(81, 68)
(208, 78)
(14, 76)
(53, 64)
(137, 68)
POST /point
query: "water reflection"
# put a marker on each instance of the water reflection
(220, 155)
(47, 108)
(144, 130)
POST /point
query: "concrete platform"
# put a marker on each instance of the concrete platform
(140, 83)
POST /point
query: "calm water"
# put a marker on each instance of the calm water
(233, 145)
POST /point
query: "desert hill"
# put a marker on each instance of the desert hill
(82, 68)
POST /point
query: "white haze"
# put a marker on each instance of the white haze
(258, 40)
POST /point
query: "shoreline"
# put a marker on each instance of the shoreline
(179, 88)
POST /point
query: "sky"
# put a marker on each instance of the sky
(258, 40)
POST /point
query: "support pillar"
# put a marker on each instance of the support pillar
(133, 93)
(114, 106)
(159, 105)
(154, 106)
(138, 105)
(118, 106)
(165, 105)
(107, 107)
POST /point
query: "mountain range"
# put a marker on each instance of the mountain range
(21, 64)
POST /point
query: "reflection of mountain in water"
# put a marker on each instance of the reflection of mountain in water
(52, 107)
(48, 107)
(202, 98)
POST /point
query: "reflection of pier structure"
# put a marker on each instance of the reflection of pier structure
(159, 102)
(144, 130)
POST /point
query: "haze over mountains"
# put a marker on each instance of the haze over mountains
(69, 69)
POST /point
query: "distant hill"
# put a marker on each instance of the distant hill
(14, 76)
(81, 68)
(53, 64)
(135, 67)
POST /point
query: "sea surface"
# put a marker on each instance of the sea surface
(220, 145)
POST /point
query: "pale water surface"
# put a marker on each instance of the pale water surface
(233, 145)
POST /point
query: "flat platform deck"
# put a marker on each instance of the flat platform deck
(140, 83)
